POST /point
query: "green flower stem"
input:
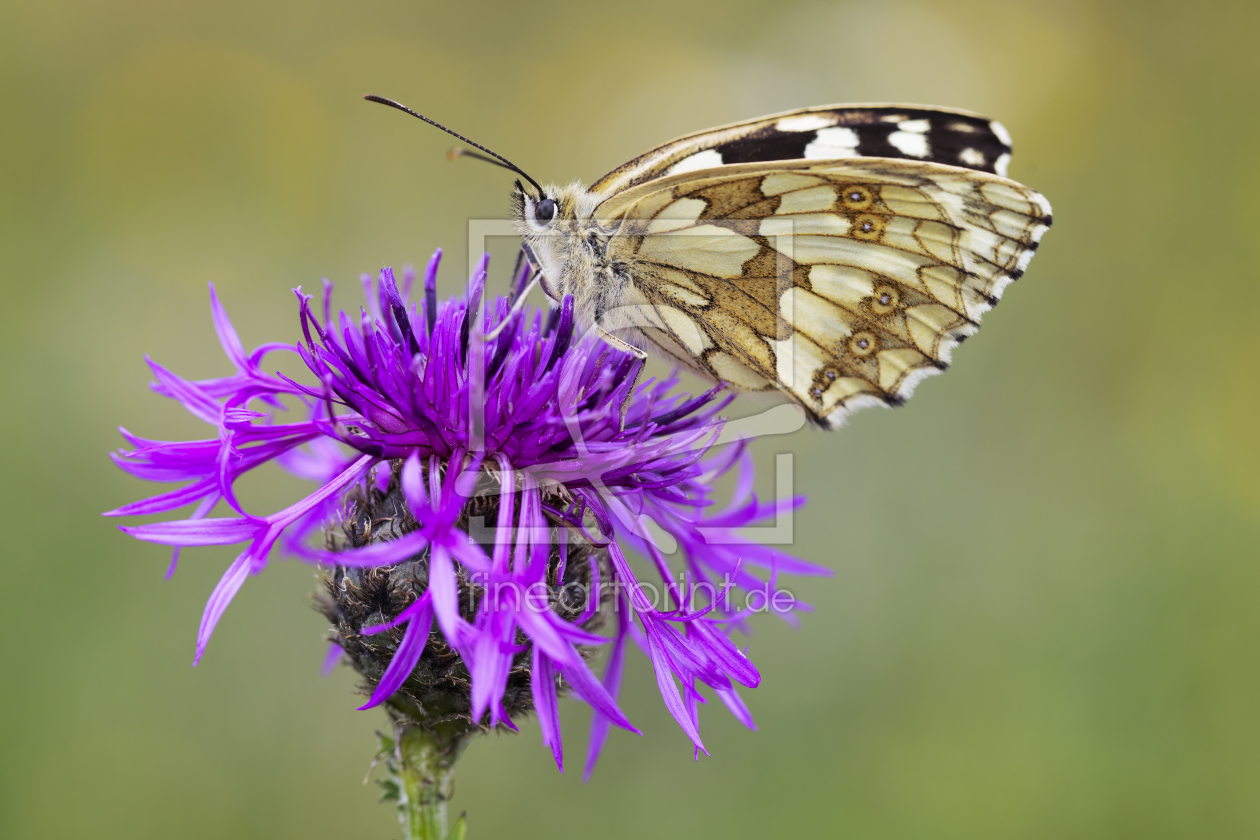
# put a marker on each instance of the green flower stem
(419, 754)
(426, 772)
(421, 760)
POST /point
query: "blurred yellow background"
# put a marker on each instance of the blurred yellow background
(1043, 622)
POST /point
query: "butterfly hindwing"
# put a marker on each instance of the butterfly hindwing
(841, 283)
(955, 138)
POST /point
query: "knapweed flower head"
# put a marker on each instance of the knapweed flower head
(476, 504)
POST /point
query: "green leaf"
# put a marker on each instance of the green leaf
(457, 830)
(391, 791)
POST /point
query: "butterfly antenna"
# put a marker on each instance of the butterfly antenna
(455, 152)
(499, 160)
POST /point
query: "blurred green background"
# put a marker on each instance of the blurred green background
(1043, 622)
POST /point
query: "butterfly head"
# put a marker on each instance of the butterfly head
(552, 208)
(540, 211)
(556, 223)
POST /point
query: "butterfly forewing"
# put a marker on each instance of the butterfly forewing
(842, 283)
(955, 138)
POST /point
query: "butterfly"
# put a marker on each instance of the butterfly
(835, 255)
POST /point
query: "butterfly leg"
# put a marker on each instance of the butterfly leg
(640, 355)
(516, 308)
(536, 264)
(534, 268)
(521, 271)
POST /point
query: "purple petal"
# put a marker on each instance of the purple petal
(612, 684)
(730, 697)
(377, 554)
(232, 346)
(430, 290)
(168, 501)
(669, 691)
(413, 487)
(544, 634)
(200, 513)
(201, 405)
(543, 685)
(421, 603)
(331, 657)
(503, 531)
(492, 660)
(218, 531)
(442, 586)
(596, 695)
(407, 655)
(469, 554)
(278, 521)
(222, 595)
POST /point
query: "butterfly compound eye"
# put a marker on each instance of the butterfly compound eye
(544, 211)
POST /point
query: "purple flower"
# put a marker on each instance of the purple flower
(410, 407)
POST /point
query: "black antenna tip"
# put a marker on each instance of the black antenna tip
(383, 100)
(499, 160)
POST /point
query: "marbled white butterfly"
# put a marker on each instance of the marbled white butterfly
(836, 254)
